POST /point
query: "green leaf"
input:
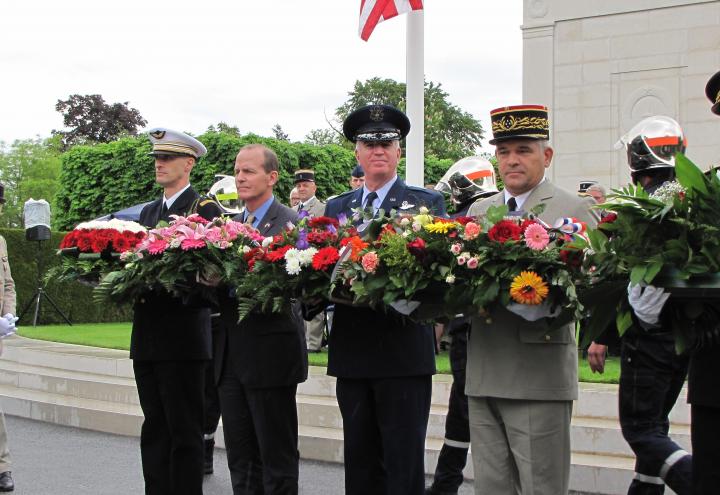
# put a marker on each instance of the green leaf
(689, 175)
(652, 270)
(637, 274)
(623, 320)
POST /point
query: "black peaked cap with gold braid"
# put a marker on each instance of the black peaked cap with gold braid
(521, 121)
(169, 142)
(712, 91)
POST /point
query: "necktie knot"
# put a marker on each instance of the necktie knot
(372, 196)
(164, 210)
(512, 204)
(250, 219)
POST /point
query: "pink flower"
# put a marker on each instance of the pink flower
(536, 237)
(456, 248)
(214, 235)
(370, 262)
(189, 243)
(472, 263)
(196, 218)
(462, 259)
(472, 230)
(157, 246)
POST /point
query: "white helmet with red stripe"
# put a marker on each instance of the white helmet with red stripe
(469, 178)
(652, 144)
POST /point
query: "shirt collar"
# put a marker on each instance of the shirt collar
(381, 193)
(169, 201)
(521, 198)
(260, 211)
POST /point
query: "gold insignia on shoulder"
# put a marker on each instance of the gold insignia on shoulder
(158, 134)
(376, 113)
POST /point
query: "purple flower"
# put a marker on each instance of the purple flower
(331, 228)
(342, 219)
(302, 242)
(303, 214)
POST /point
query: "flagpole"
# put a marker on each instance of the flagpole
(415, 77)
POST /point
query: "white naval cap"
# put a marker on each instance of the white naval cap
(169, 142)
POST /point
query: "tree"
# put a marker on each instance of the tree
(449, 131)
(28, 169)
(323, 137)
(279, 134)
(91, 120)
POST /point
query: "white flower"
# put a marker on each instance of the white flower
(450, 279)
(423, 210)
(119, 225)
(266, 241)
(416, 226)
(175, 243)
(292, 266)
(292, 255)
(306, 256)
(245, 249)
(405, 221)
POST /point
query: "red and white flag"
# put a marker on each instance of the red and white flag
(374, 11)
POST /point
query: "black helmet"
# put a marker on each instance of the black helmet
(652, 144)
(469, 178)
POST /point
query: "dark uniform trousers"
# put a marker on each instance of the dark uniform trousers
(453, 454)
(651, 377)
(704, 397)
(259, 423)
(171, 394)
(170, 347)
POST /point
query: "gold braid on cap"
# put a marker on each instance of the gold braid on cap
(512, 123)
(717, 98)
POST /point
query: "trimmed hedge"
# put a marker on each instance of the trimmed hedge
(73, 299)
(99, 179)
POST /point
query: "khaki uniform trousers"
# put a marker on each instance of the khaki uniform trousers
(520, 446)
(314, 332)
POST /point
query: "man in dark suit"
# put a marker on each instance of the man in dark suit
(170, 342)
(383, 362)
(260, 361)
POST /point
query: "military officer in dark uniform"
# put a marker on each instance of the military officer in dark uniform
(704, 385)
(383, 362)
(170, 342)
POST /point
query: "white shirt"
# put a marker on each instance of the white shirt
(520, 198)
(169, 201)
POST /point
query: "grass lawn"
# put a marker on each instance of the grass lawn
(117, 336)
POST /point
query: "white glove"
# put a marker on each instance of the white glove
(405, 307)
(7, 325)
(532, 312)
(647, 302)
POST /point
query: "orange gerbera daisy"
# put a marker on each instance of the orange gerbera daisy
(528, 288)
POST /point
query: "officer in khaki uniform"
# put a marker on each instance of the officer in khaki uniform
(7, 326)
(521, 376)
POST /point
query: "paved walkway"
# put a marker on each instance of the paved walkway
(57, 460)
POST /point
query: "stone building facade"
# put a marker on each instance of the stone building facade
(603, 65)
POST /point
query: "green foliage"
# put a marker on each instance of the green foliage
(90, 119)
(450, 132)
(73, 299)
(28, 169)
(102, 178)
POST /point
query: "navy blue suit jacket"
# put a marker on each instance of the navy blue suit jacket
(365, 343)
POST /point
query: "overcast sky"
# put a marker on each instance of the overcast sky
(187, 64)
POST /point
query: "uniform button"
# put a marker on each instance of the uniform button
(142, 300)
(547, 337)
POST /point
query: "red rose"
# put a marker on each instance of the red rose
(325, 258)
(571, 257)
(464, 220)
(417, 248)
(317, 222)
(609, 218)
(504, 231)
(526, 223)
